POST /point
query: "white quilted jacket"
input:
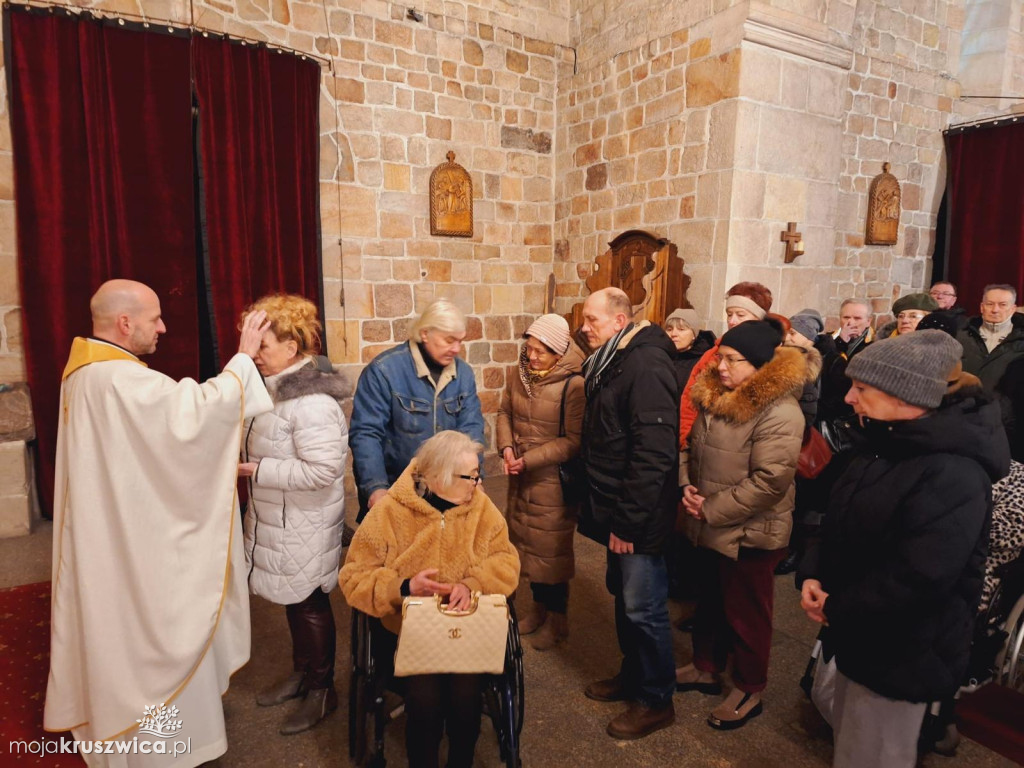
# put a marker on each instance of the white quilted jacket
(295, 514)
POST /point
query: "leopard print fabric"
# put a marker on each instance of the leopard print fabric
(1006, 540)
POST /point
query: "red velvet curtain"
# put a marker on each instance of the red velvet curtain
(106, 185)
(101, 129)
(259, 139)
(985, 192)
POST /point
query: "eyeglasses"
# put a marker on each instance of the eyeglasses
(729, 361)
(911, 315)
(943, 294)
(475, 479)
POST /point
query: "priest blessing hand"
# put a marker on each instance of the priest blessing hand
(150, 605)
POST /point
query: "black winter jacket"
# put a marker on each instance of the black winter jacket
(903, 548)
(685, 361)
(630, 445)
(990, 366)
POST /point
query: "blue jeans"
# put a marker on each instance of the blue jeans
(640, 586)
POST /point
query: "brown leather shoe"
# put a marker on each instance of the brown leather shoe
(611, 689)
(554, 631)
(639, 721)
(317, 705)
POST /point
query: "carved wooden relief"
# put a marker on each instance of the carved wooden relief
(451, 200)
(647, 269)
(883, 209)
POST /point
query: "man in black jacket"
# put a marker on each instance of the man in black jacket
(992, 342)
(630, 448)
(897, 575)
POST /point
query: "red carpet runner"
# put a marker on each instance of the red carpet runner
(24, 665)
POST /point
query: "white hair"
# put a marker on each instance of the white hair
(437, 459)
(440, 315)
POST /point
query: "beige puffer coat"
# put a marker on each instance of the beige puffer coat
(540, 524)
(742, 455)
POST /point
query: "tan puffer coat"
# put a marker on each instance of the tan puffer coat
(540, 524)
(742, 455)
(403, 535)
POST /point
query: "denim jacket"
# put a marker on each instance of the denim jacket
(397, 407)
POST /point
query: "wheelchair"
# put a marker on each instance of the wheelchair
(372, 698)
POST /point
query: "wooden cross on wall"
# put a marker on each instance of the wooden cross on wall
(794, 242)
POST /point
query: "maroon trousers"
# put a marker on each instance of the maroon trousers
(735, 601)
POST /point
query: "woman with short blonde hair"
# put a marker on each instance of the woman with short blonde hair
(294, 458)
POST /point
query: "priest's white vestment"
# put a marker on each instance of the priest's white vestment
(150, 605)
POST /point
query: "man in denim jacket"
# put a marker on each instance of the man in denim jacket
(407, 395)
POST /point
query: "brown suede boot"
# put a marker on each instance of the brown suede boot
(317, 705)
(554, 631)
(281, 691)
(639, 721)
(535, 617)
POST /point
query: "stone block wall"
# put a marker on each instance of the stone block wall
(645, 141)
(900, 94)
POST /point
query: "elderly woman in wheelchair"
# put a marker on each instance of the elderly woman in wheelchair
(435, 533)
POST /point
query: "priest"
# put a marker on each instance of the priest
(150, 612)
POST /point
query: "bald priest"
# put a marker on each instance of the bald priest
(150, 612)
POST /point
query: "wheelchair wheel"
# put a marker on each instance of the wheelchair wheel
(1010, 661)
(506, 699)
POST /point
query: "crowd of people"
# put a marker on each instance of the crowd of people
(678, 452)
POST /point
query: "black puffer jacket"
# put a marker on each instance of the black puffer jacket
(685, 360)
(903, 548)
(630, 444)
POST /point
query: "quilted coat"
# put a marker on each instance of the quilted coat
(742, 455)
(295, 514)
(540, 524)
(403, 534)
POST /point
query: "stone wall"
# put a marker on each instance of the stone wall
(717, 132)
(478, 79)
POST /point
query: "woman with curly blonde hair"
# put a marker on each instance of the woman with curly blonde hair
(294, 458)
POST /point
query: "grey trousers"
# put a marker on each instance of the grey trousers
(872, 731)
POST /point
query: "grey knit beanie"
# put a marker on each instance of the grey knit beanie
(808, 323)
(913, 367)
(687, 317)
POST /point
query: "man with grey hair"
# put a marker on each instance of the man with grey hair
(630, 450)
(408, 394)
(996, 338)
(993, 344)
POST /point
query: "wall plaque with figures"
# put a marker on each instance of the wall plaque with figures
(883, 209)
(451, 200)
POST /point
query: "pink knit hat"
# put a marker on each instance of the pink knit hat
(552, 331)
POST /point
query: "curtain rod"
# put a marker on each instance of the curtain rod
(984, 122)
(146, 21)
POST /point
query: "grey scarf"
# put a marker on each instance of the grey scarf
(594, 365)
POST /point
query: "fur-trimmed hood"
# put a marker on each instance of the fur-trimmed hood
(785, 374)
(317, 378)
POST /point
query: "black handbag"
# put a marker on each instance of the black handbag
(571, 473)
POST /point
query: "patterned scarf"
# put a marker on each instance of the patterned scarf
(528, 376)
(594, 365)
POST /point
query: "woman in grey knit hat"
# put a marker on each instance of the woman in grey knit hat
(897, 574)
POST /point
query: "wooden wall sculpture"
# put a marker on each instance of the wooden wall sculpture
(883, 209)
(451, 200)
(647, 269)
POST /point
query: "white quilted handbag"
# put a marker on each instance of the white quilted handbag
(434, 640)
